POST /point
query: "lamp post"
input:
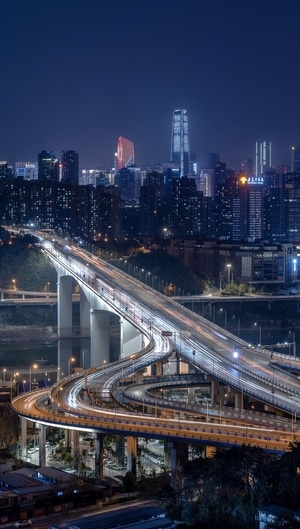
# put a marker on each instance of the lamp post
(225, 318)
(259, 333)
(69, 364)
(228, 273)
(11, 384)
(4, 371)
(31, 367)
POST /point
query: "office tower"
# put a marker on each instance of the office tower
(151, 197)
(180, 148)
(256, 213)
(125, 180)
(232, 208)
(3, 168)
(220, 175)
(186, 208)
(48, 166)
(70, 166)
(291, 184)
(295, 159)
(125, 153)
(211, 159)
(263, 157)
(26, 170)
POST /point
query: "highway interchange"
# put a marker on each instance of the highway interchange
(166, 325)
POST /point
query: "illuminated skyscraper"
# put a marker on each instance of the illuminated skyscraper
(48, 166)
(263, 157)
(69, 162)
(125, 153)
(180, 148)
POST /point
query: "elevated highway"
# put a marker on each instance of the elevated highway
(166, 327)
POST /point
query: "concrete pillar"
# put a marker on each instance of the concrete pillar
(178, 453)
(120, 450)
(209, 451)
(84, 316)
(99, 455)
(159, 368)
(42, 442)
(131, 454)
(132, 339)
(100, 337)
(23, 436)
(74, 444)
(64, 307)
(238, 401)
(64, 355)
(214, 390)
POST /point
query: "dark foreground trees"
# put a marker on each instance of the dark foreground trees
(227, 489)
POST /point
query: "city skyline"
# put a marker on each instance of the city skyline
(77, 75)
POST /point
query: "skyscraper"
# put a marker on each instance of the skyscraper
(48, 166)
(125, 153)
(70, 170)
(263, 157)
(295, 160)
(180, 148)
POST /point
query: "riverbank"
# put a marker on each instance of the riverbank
(27, 333)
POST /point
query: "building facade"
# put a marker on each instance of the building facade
(180, 147)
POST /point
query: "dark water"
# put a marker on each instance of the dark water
(56, 355)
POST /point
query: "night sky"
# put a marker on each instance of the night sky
(77, 74)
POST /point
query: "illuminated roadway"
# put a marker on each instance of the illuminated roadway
(166, 326)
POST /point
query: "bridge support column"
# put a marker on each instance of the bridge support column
(74, 444)
(159, 368)
(84, 316)
(64, 307)
(131, 454)
(214, 390)
(132, 339)
(178, 455)
(42, 442)
(99, 455)
(120, 450)
(238, 401)
(100, 337)
(209, 451)
(23, 436)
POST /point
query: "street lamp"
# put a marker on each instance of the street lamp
(31, 367)
(4, 371)
(259, 333)
(11, 384)
(225, 318)
(228, 273)
(69, 364)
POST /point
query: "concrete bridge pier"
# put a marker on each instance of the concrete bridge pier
(176, 455)
(238, 400)
(74, 443)
(100, 337)
(132, 443)
(84, 315)
(131, 339)
(64, 307)
(99, 455)
(23, 436)
(42, 442)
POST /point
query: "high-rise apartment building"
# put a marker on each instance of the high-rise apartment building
(255, 187)
(26, 170)
(180, 147)
(125, 153)
(48, 166)
(263, 157)
(295, 160)
(70, 166)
